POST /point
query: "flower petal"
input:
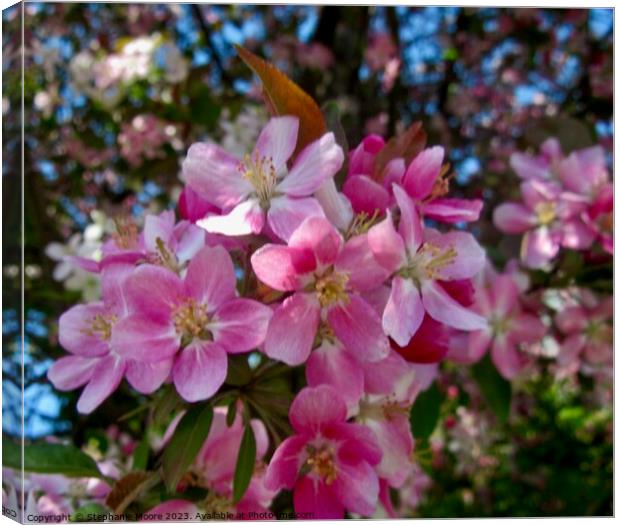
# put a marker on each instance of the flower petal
(154, 291)
(199, 370)
(404, 311)
(410, 224)
(148, 377)
(240, 325)
(336, 206)
(139, 338)
(511, 217)
(105, 379)
(357, 260)
(366, 195)
(387, 245)
(292, 329)
(75, 330)
(320, 160)
(331, 364)
(423, 171)
(214, 175)
(245, 218)
(71, 372)
(506, 357)
(286, 214)
(211, 277)
(277, 140)
(316, 500)
(453, 210)
(318, 235)
(357, 487)
(359, 328)
(273, 264)
(171, 508)
(285, 463)
(538, 248)
(441, 307)
(316, 407)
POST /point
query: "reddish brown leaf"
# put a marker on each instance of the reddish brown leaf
(406, 145)
(284, 97)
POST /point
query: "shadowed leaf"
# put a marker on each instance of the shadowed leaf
(284, 97)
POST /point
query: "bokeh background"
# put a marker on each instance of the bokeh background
(116, 93)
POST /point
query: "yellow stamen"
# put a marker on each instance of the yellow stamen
(101, 326)
(190, 318)
(261, 174)
(545, 212)
(126, 235)
(331, 289)
(321, 462)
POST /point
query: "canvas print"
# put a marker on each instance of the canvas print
(304, 262)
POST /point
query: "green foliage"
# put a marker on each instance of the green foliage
(424, 413)
(49, 458)
(188, 437)
(496, 390)
(245, 463)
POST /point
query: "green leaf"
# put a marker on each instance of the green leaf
(141, 455)
(495, 389)
(49, 458)
(188, 437)
(231, 414)
(331, 112)
(168, 403)
(245, 463)
(425, 412)
(89, 512)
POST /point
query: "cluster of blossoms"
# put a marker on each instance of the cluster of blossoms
(104, 76)
(355, 283)
(368, 289)
(144, 137)
(567, 201)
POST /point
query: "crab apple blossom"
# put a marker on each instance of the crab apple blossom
(419, 260)
(328, 463)
(260, 189)
(326, 276)
(549, 217)
(163, 241)
(424, 180)
(391, 386)
(214, 469)
(587, 331)
(200, 315)
(509, 326)
(86, 331)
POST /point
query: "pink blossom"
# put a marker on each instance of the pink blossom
(96, 361)
(549, 217)
(260, 187)
(326, 275)
(424, 180)
(200, 314)
(328, 463)
(509, 326)
(420, 259)
(391, 386)
(163, 242)
(587, 331)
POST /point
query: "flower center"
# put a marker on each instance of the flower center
(261, 174)
(499, 325)
(126, 235)
(545, 212)
(331, 289)
(101, 326)
(321, 462)
(216, 503)
(428, 261)
(190, 319)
